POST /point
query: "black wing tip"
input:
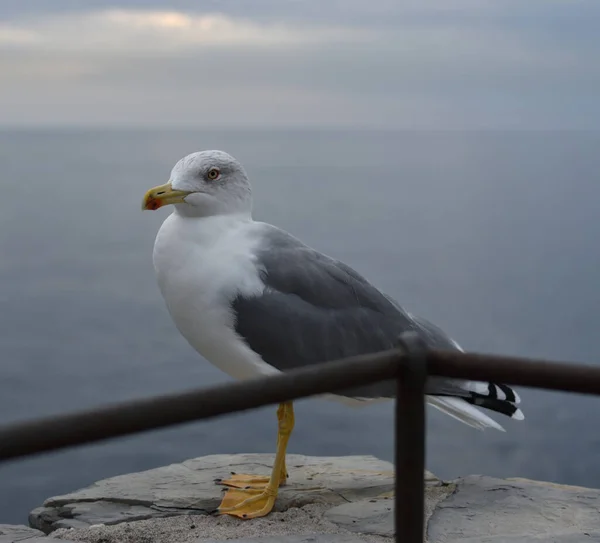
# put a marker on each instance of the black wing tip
(503, 407)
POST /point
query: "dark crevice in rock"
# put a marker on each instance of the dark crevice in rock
(120, 501)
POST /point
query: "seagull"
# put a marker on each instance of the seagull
(254, 300)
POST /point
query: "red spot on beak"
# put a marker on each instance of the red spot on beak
(153, 204)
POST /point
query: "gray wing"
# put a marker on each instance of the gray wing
(315, 309)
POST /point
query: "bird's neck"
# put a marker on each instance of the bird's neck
(205, 212)
(215, 225)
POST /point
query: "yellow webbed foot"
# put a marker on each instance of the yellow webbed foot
(253, 496)
(247, 503)
(249, 496)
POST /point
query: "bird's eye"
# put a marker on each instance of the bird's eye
(213, 174)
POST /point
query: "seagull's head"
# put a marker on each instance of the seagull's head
(203, 184)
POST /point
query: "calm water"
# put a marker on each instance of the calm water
(494, 236)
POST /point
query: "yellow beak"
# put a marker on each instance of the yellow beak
(161, 196)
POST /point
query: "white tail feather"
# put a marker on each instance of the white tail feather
(464, 412)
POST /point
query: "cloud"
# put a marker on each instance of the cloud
(164, 32)
(412, 64)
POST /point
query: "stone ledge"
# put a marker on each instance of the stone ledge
(189, 489)
(326, 500)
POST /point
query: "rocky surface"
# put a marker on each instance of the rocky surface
(326, 500)
(488, 510)
(189, 488)
(10, 533)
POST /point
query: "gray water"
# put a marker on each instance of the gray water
(493, 236)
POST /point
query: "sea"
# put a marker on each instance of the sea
(494, 236)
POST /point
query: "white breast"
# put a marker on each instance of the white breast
(201, 264)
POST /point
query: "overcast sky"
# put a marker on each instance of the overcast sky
(530, 64)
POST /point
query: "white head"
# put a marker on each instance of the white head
(204, 184)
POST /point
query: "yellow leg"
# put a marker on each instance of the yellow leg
(252, 496)
(285, 417)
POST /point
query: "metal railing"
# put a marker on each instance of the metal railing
(409, 365)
